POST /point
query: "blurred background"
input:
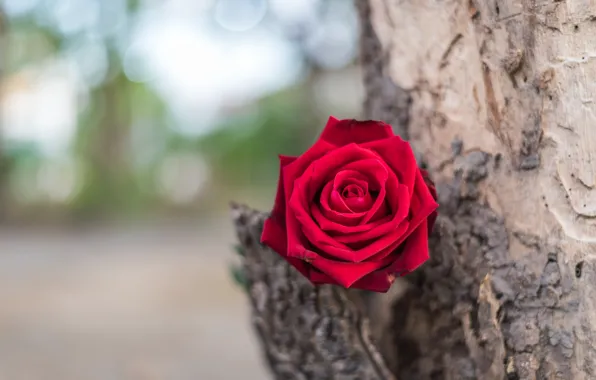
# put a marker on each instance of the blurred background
(126, 127)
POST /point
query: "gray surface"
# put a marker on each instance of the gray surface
(145, 303)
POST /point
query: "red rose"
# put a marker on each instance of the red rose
(353, 210)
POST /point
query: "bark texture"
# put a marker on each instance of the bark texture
(502, 113)
(498, 98)
(307, 332)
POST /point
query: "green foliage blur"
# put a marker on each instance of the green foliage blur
(126, 157)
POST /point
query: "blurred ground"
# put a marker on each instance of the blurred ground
(144, 303)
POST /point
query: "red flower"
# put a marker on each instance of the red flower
(353, 210)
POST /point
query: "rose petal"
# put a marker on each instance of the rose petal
(331, 247)
(346, 274)
(379, 208)
(398, 155)
(342, 213)
(295, 169)
(352, 189)
(279, 207)
(331, 226)
(323, 169)
(372, 168)
(422, 207)
(433, 191)
(429, 183)
(338, 203)
(274, 233)
(379, 281)
(343, 132)
(414, 251)
(382, 246)
(297, 242)
(319, 278)
(349, 157)
(302, 229)
(274, 236)
(345, 177)
(379, 230)
(359, 204)
(296, 246)
(423, 203)
(378, 175)
(299, 207)
(307, 228)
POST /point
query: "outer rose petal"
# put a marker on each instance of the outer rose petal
(379, 281)
(294, 170)
(279, 207)
(398, 155)
(274, 232)
(274, 236)
(343, 132)
(433, 191)
(346, 274)
(423, 202)
(422, 208)
(414, 252)
(291, 172)
(429, 183)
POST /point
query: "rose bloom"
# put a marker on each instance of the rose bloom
(353, 210)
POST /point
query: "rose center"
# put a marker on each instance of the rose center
(353, 191)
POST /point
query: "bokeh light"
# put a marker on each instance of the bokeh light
(240, 15)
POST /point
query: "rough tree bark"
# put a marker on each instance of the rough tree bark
(498, 97)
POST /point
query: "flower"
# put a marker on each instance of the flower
(354, 210)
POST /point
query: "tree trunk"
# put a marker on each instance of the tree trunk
(498, 99)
